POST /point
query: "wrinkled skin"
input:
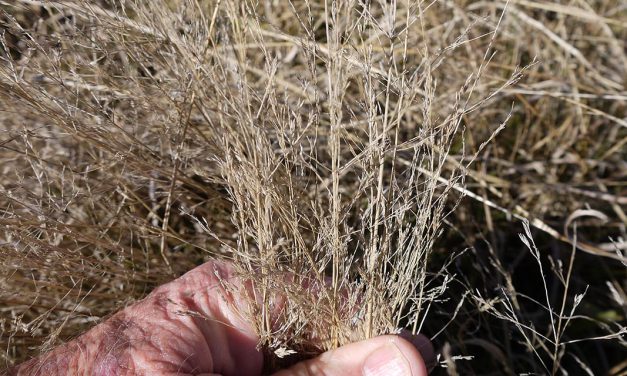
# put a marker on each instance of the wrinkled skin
(191, 327)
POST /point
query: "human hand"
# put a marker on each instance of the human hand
(191, 326)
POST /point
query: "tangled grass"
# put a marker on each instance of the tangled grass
(388, 153)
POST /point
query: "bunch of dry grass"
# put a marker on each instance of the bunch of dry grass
(321, 140)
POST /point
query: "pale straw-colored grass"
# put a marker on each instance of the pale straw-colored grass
(342, 154)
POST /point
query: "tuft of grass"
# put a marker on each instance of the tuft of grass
(380, 156)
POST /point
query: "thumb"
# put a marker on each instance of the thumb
(385, 355)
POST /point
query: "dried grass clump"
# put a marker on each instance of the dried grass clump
(324, 143)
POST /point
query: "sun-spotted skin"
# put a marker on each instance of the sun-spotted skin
(187, 327)
(194, 326)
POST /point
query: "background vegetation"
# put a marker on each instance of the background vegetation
(454, 167)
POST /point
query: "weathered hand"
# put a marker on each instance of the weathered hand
(191, 327)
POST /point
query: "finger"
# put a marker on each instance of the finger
(197, 321)
(424, 346)
(385, 355)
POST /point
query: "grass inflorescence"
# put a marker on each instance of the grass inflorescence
(456, 168)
